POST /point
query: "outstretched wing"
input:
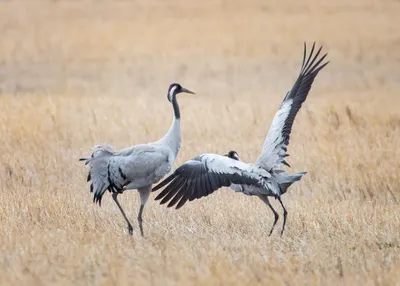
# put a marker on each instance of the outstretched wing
(98, 170)
(205, 174)
(277, 140)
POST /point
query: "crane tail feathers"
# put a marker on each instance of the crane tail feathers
(288, 180)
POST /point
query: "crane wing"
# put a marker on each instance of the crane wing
(205, 174)
(139, 166)
(277, 140)
(129, 168)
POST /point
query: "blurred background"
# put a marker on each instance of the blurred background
(231, 47)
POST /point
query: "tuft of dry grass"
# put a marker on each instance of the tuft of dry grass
(76, 74)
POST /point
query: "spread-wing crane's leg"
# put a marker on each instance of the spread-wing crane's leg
(284, 215)
(130, 228)
(265, 199)
(144, 195)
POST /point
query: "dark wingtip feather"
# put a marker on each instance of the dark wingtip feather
(162, 194)
(172, 189)
(159, 197)
(182, 202)
(321, 67)
(308, 59)
(179, 194)
(314, 69)
(304, 55)
(311, 65)
(164, 182)
(164, 200)
(167, 189)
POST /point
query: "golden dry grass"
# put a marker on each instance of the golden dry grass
(78, 73)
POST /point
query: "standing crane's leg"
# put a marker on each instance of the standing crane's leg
(144, 195)
(130, 228)
(265, 199)
(284, 215)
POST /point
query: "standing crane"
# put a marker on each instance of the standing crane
(206, 173)
(136, 167)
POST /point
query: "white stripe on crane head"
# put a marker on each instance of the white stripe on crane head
(171, 92)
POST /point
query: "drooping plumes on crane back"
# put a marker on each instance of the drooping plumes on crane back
(97, 175)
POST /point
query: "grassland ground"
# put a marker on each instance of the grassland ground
(75, 74)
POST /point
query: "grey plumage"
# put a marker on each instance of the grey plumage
(274, 152)
(205, 174)
(194, 180)
(136, 167)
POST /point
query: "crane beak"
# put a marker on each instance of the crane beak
(186, 90)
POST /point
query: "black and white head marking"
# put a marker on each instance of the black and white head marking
(173, 89)
(233, 155)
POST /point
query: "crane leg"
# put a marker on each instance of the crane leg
(284, 215)
(144, 196)
(265, 199)
(115, 198)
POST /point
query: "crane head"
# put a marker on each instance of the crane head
(233, 155)
(176, 88)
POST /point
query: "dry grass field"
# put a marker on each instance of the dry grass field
(78, 73)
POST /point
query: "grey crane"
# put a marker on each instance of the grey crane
(207, 173)
(136, 167)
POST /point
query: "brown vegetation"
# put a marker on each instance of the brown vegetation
(78, 73)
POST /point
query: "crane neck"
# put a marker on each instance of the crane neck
(172, 139)
(175, 105)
